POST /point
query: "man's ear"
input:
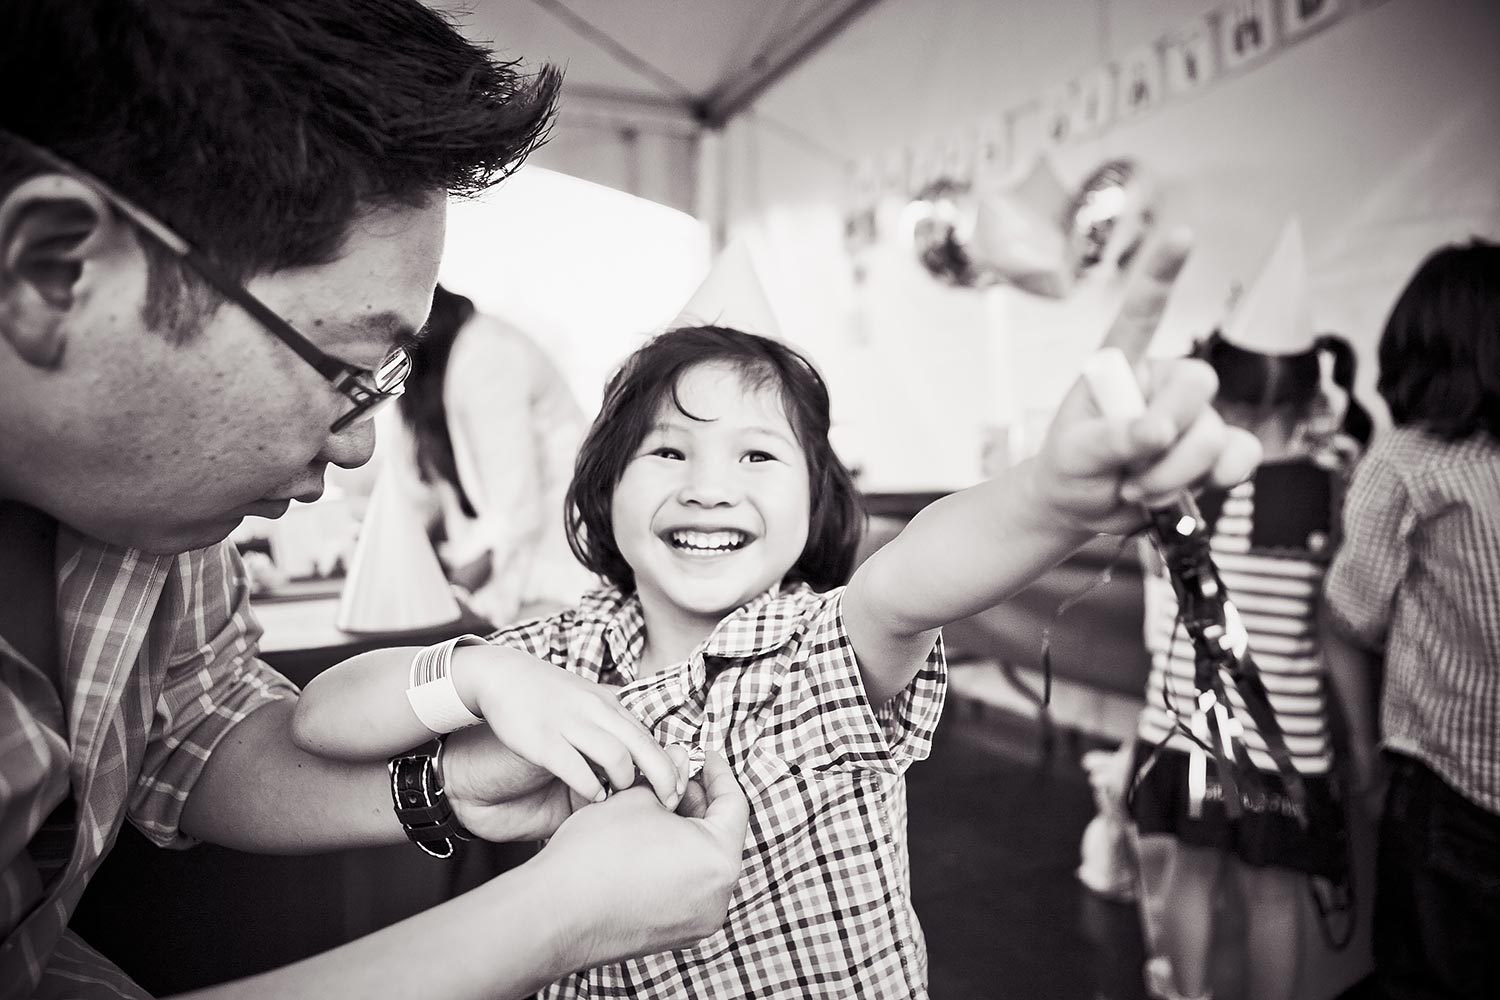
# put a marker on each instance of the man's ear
(50, 226)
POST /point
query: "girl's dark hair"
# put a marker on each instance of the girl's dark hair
(1290, 382)
(1440, 352)
(421, 405)
(632, 399)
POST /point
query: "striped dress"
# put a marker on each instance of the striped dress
(1271, 539)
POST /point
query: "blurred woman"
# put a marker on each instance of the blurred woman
(494, 430)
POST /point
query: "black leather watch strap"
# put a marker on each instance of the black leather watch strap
(421, 804)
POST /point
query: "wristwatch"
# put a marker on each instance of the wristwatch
(422, 806)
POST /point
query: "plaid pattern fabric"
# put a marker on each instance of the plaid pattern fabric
(1419, 573)
(823, 907)
(158, 662)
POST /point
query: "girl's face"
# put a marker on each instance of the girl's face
(711, 512)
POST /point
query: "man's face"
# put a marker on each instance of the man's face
(166, 447)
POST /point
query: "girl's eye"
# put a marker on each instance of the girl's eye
(759, 456)
(665, 452)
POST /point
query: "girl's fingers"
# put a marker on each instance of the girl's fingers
(647, 754)
(1237, 462)
(574, 771)
(610, 759)
(1189, 461)
(1146, 297)
(1181, 389)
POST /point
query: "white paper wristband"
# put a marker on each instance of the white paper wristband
(431, 692)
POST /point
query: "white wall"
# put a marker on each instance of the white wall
(586, 270)
(1381, 133)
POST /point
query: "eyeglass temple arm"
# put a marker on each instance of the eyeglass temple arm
(330, 368)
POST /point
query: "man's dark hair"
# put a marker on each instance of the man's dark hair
(634, 396)
(259, 129)
(1440, 352)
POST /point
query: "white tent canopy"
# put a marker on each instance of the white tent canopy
(643, 78)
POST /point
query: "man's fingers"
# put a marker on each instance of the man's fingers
(728, 814)
(1146, 296)
(694, 801)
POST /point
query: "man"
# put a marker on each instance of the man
(217, 224)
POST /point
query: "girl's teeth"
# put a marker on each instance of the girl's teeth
(708, 541)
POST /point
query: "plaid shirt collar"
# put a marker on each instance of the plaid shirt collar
(748, 633)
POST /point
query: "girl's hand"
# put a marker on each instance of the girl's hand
(501, 796)
(1095, 473)
(570, 727)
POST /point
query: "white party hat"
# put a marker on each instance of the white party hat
(731, 295)
(1275, 315)
(395, 583)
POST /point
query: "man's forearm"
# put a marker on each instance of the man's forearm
(504, 939)
(260, 793)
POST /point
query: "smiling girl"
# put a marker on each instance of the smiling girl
(709, 498)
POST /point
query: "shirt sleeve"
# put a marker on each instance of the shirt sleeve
(1372, 560)
(890, 737)
(214, 678)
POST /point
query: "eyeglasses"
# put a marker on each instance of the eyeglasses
(367, 390)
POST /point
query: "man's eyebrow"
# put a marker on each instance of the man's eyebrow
(389, 326)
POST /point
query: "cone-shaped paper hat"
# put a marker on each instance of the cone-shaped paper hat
(1275, 315)
(395, 583)
(731, 295)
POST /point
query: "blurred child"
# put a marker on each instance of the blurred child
(708, 495)
(1419, 577)
(1272, 538)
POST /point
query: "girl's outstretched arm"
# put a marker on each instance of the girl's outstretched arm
(971, 550)
(961, 554)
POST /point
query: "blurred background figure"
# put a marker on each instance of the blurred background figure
(1416, 589)
(488, 433)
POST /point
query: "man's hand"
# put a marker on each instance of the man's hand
(652, 880)
(499, 795)
(496, 793)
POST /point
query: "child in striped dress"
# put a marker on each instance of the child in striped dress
(1272, 538)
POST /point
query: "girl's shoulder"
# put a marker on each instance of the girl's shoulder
(772, 620)
(594, 612)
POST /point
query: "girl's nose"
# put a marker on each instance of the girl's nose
(708, 487)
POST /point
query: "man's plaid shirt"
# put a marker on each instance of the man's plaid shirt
(823, 907)
(158, 664)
